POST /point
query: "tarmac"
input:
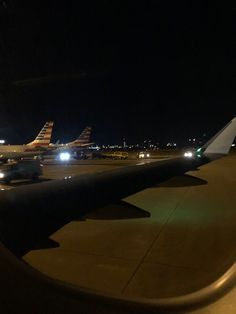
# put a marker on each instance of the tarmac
(167, 240)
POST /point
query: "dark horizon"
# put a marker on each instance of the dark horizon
(143, 70)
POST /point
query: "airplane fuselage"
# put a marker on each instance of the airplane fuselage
(17, 151)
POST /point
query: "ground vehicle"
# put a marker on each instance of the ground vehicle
(110, 155)
(23, 169)
(115, 155)
(143, 155)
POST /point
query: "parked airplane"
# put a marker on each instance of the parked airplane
(81, 142)
(34, 148)
(75, 148)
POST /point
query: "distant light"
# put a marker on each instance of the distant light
(233, 145)
(2, 175)
(96, 147)
(148, 155)
(2, 141)
(188, 154)
(64, 156)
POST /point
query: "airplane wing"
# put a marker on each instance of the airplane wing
(25, 220)
(106, 187)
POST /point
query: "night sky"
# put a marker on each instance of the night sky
(149, 69)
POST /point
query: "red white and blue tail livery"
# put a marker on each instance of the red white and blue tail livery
(35, 148)
(44, 137)
(84, 140)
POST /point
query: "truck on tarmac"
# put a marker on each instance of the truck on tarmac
(111, 155)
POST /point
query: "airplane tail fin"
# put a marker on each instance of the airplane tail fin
(84, 138)
(44, 137)
(220, 144)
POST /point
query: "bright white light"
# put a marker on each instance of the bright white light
(148, 155)
(188, 154)
(141, 155)
(1, 175)
(2, 141)
(233, 145)
(64, 156)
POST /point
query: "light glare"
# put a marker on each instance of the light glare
(188, 154)
(64, 156)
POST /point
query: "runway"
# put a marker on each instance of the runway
(168, 240)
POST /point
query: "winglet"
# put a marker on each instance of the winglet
(220, 144)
